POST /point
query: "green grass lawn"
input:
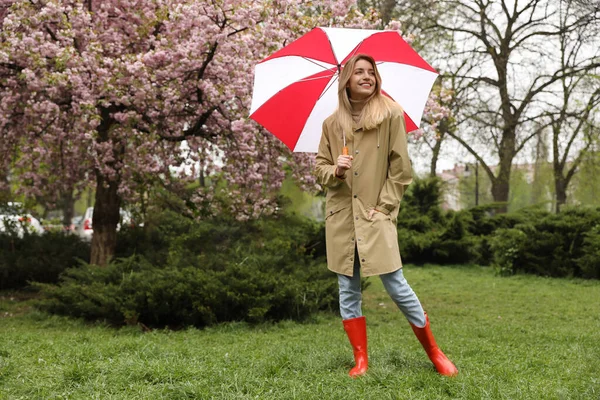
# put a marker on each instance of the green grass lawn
(521, 337)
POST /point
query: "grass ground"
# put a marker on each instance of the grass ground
(521, 337)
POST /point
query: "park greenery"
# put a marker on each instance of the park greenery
(103, 99)
(106, 98)
(520, 337)
(220, 289)
(176, 271)
(121, 97)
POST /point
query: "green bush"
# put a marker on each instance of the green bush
(557, 245)
(423, 197)
(215, 271)
(445, 242)
(153, 239)
(507, 246)
(456, 245)
(40, 258)
(428, 235)
(589, 262)
(531, 240)
(484, 223)
(484, 220)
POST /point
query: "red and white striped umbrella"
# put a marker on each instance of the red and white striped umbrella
(295, 89)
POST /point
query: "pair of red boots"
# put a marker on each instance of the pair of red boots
(356, 328)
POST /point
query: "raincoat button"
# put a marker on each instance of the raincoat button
(363, 260)
(356, 174)
(353, 239)
(356, 218)
(355, 196)
(359, 239)
(356, 152)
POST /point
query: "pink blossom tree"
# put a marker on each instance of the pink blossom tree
(103, 93)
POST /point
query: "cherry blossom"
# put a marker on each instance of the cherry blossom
(101, 94)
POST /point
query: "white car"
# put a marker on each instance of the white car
(20, 224)
(84, 228)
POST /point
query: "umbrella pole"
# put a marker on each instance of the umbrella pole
(345, 148)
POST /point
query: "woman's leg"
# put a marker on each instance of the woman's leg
(355, 324)
(407, 301)
(350, 296)
(404, 297)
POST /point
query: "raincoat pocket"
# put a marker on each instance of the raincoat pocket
(331, 211)
(379, 216)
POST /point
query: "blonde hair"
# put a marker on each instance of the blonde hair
(377, 106)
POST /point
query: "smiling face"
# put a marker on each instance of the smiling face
(362, 81)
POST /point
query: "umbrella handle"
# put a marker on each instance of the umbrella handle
(345, 150)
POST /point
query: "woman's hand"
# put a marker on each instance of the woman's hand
(344, 163)
(371, 213)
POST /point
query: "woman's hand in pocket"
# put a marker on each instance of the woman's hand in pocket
(372, 213)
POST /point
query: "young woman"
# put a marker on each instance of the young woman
(363, 162)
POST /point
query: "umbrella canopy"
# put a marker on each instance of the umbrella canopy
(295, 89)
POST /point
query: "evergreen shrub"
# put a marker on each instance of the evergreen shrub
(447, 242)
(507, 247)
(428, 235)
(589, 262)
(557, 245)
(485, 222)
(531, 240)
(213, 271)
(39, 258)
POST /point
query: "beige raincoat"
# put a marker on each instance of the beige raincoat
(380, 172)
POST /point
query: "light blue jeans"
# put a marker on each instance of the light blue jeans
(396, 286)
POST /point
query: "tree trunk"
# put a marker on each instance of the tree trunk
(541, 159)
(68, 208)
(500, 192)
(443, 128)
(560, 187)
(501, 185)
(105, 220)
(202, 179)
(387, 10)
(108, 202)
(4, 193)
(436, 155)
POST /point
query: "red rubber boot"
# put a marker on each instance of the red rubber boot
(442, 364)
(356, 329)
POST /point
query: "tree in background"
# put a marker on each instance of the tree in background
(436, 125)
(104, 93)
(585, 186)
(473, 189)
(428, 141)
(505, 54)
(570, 111)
